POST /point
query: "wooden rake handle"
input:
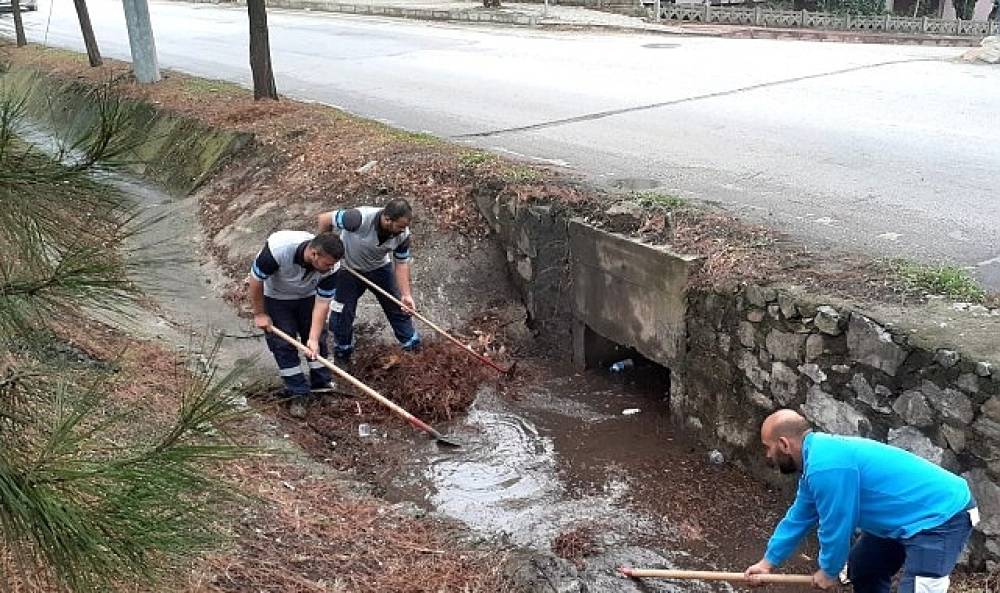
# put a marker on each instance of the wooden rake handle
(709, 575)
(413, 420)
(433, 325)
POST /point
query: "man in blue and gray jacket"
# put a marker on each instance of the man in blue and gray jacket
(376, 245)
(291, 284)
(912, 514)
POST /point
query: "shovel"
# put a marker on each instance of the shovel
(508, 371)
(708, 575)
(413, 420)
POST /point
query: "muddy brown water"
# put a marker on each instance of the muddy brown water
(599, 451)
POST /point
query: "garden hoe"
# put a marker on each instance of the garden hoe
(708, 575)
(509, 372)
(413, 420)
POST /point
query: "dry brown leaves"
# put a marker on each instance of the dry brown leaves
(575, 544)
(977, 583)
(309, 537)
(15, 577)
(301, 533)
(435, 383)
(732, 250)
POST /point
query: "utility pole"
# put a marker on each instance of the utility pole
(93, 54)
(15, 7)
(140, 40)
(260, 52)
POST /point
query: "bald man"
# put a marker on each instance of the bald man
(912, 514)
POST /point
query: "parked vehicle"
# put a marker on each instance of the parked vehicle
(5, 5)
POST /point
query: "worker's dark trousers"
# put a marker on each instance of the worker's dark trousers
(927, 558)
(294, 318)
(349, 290)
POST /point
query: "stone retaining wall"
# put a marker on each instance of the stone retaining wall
(748, 353)
(763, 349)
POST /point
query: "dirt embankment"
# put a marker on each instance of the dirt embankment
(302, 527)
(308, 158)
(306, 527)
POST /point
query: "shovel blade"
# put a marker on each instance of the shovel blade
(447, 441)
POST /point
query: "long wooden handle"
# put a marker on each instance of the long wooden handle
(708, 575)
(413, 420)
(433, 325)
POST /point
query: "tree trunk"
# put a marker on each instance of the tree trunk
(260, 52)
(93, 54)
(15, 7)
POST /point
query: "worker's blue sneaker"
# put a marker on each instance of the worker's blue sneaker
(411, 345)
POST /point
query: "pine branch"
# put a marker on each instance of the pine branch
(78, 506)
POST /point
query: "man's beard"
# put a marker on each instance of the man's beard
(786, 464)
(387, 231)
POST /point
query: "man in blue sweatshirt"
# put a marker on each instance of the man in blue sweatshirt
(912, 514)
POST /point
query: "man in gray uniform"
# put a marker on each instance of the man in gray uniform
(291, 283)
(376, 245)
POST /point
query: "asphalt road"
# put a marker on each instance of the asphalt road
(890, 150)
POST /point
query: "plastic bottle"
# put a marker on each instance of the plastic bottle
(622, 365)
(715, 457)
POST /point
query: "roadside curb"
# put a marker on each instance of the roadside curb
(465, 15)
(501, 17)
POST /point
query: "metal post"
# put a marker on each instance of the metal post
(545, 10)
(140, 39)
(923, 25)
(658, 9)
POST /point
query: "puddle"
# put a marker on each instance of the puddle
(537, 467)
(564, 456)
(508, 481)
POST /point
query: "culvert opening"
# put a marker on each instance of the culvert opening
(625, 363)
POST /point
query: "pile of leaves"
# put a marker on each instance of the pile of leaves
(435, 383)
(575, 544)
